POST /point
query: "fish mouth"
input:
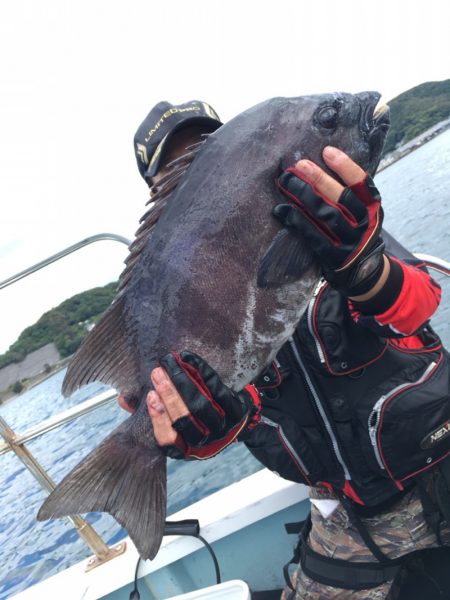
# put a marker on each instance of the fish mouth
(381, 118)
(376, 122)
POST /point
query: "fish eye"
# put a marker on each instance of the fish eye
(327, 117)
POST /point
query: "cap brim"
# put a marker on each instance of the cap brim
(159, 152)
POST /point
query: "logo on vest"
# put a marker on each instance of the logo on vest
(436, 436)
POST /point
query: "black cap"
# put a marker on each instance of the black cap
(161, 123)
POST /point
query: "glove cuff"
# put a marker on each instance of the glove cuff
(387, 296)
(361, 276)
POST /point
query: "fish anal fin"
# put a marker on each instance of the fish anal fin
(286, 260)
(123, 478)
(107, 354)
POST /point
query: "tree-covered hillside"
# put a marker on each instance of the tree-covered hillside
(65, 325)
(416, 110)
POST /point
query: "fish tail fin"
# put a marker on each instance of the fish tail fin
(122, 477)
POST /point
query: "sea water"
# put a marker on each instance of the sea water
(416, 199)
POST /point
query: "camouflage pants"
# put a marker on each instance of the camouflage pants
(397, 531)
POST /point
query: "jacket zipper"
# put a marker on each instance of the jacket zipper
(375, 415)
(295, 457)
(310, 320)
(321, 410)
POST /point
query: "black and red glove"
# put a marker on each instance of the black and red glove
(344, 235)
(217, 414)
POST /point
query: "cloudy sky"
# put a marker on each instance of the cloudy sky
(78, 76)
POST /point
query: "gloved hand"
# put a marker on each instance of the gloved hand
(194, 414)
(345, 235)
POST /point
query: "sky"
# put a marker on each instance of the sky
(78, 76)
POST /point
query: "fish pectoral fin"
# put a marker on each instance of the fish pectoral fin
(123, 478)
(286, 260)
(107, 354)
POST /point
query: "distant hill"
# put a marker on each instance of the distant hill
(416, 110)
(66, 325)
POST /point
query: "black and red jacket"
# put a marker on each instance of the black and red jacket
(355, 401)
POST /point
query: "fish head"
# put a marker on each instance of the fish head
(351, 122)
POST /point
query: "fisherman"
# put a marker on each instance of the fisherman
(364, 343)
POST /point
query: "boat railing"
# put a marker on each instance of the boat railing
(435, 263)
(15, 442)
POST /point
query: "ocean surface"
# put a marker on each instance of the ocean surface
(416, 197)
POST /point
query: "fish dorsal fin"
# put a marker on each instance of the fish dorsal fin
(286, 260)
(161, 194)
(107, 354)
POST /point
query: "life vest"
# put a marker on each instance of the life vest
(345, 408)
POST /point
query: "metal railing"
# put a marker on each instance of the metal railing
(437, 264)
(15, 442)
(61, 254)
(60, 419)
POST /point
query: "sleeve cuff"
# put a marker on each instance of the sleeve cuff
(386, 297)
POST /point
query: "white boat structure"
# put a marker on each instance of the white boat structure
(236, 521)
(240, 538)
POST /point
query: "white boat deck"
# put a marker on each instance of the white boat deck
(221, 514)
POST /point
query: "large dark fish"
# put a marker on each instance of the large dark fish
(216, 275)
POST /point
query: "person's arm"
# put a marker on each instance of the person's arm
(343, 226)
(403, 306)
